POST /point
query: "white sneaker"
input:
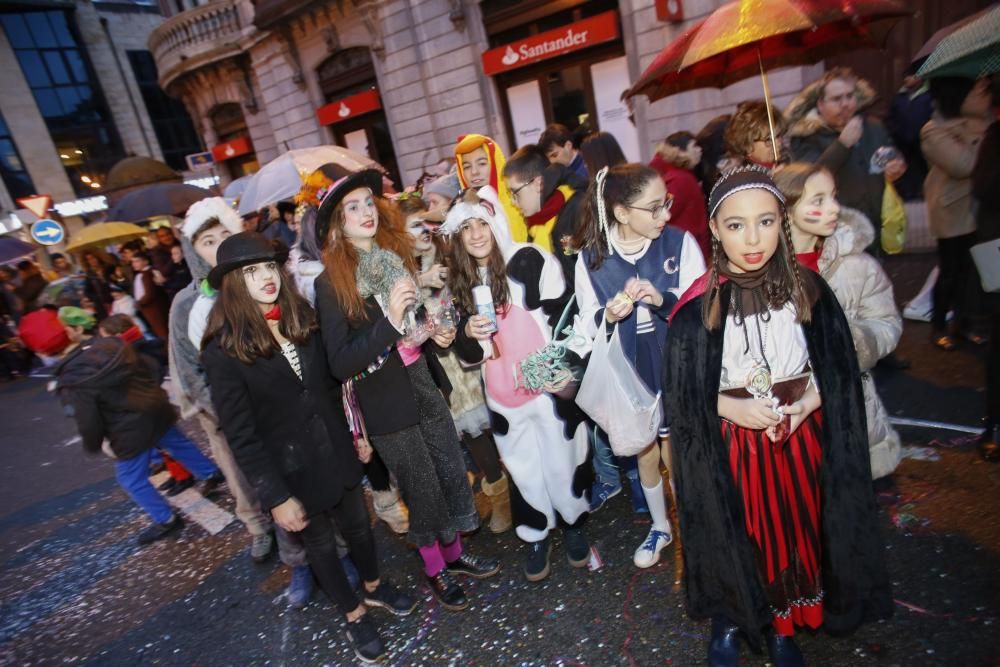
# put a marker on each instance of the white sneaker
(648, 553)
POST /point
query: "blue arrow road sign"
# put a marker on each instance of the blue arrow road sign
(48, 232)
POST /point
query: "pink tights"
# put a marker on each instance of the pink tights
(436, 555)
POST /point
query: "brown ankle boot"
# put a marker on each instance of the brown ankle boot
(499, 494)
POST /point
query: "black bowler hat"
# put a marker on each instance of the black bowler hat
(367, 178)
(241, 249)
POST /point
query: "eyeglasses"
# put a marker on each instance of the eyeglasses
(657, 211)
(514, 193)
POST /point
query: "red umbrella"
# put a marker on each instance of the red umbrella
(743, 38)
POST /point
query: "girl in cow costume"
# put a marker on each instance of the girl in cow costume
(542, 437)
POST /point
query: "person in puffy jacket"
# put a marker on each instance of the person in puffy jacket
(109, 390)
(831, 241)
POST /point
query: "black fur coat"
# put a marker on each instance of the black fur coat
(721, 577)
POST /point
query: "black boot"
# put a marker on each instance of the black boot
(784, 651)
(447, 591)
(724, 649)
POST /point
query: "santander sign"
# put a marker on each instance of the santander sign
(588, 32)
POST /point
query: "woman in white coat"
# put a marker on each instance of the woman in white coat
(831, 241)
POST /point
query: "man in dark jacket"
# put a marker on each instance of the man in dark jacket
(31, 287)
(549, 196)
(826, 124)
(109, 390)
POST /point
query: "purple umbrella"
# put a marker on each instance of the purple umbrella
(12, 248)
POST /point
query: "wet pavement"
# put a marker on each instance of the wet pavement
(76, 589)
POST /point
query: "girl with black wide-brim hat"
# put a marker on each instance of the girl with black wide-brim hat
(361, 299)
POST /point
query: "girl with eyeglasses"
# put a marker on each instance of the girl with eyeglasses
(632, 269)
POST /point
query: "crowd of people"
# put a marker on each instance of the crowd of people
(356, 338)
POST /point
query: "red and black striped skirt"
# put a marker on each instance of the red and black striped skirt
(779, 486)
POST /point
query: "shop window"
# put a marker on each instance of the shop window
(15, 176)
(174, 130)
(50, 54)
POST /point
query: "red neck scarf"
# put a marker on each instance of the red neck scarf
(549, 210)
(274, 314)
(810, 260)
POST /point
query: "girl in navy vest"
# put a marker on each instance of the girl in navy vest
(630, 273)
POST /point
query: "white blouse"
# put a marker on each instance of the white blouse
(784, 347)
(292, 355)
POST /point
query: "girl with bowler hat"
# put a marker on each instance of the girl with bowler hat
(279, 409)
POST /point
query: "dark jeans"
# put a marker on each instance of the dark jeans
(954, 261)
(351, 517)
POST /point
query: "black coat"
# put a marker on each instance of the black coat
(721, 577)
(386, 396)
(289, 436)
(109, 390)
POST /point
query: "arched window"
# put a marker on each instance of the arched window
(228, 121)
(346, 72)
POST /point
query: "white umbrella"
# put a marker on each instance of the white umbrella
(234, 190)
(282, 177)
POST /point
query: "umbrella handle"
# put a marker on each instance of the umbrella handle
(767, 103)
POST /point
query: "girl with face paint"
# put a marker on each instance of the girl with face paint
(273, 393)
(466, 401)
(831, 241)
(629, 275)
(774, 481)
(395, 390)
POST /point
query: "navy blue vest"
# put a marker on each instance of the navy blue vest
(660, 266)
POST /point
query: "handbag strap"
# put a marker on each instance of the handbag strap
(562, 318)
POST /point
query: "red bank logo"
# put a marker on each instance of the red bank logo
(588, 32)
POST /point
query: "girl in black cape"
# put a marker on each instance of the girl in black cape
(773, 475)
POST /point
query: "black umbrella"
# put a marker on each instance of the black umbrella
(156, 200)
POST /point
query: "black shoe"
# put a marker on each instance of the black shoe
(157, 531)
(447, 591)
(167, 485)
(210, 485)
(577, 547)
(474, 566)
(536, 565)
(363, 637)
(784, 651)
(389, 598)
(724, 648)
(180, 486)
(157, 468)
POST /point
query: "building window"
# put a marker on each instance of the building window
(15, 176)
(171, 122)
(67, 93)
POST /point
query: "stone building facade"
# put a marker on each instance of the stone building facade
(404, 78)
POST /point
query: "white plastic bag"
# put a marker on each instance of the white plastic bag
(617, 399)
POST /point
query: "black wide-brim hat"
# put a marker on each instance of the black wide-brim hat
(240, 250)
(367, 178)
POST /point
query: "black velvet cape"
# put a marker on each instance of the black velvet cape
(720, 574)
